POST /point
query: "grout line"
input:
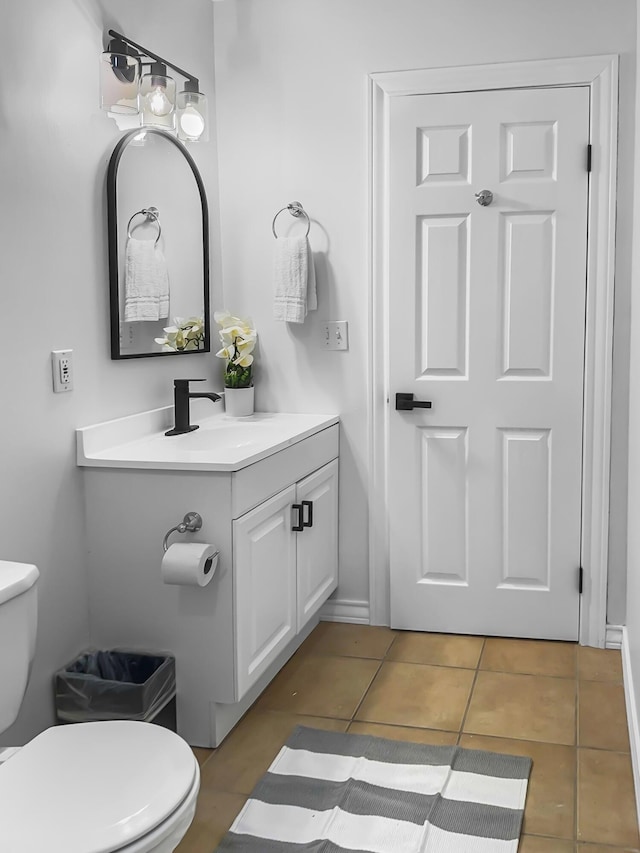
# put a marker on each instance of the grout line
(473, 687)
(304, 714)
(391, 644)
(570, 841)
(209, 757)
(603, 749)
(334, 654)
(476, 667)
(364, 695)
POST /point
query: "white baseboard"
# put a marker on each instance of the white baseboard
(613, 637)
(632, 715)
(345, 611)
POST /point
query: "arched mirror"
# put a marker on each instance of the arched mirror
(158, 223)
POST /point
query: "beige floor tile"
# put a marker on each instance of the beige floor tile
(551, 794)
(322, 686)
(527, 707)
(531, 844)
(599, 664)
(440, 649)
(523, 703)
(201, 754)
(429, 736)
(338, 638)
(533, 657)
(602, 716)
(406, 694)
(215, 812)
(248, 751)
(606, 801)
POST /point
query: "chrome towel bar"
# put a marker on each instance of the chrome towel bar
(152, 214)
(295, 209)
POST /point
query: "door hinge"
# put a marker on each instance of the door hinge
(589, 157)
(580, 579)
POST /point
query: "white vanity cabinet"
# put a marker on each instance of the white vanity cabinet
(285, 566)
(317, 545)
(230, 637)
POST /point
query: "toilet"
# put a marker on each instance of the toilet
(105, 787)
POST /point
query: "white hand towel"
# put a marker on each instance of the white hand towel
(312, 296)
(146, 282)
(295, 282)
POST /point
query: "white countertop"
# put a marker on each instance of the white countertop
(221, 443)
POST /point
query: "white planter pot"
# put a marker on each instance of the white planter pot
(238, 402)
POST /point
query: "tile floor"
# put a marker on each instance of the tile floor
(558, 703)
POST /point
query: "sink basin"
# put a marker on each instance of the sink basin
(221, 443)
(228, 435)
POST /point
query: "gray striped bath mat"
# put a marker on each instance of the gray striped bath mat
(328, 792)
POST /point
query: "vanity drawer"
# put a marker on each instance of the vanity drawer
(258, 482)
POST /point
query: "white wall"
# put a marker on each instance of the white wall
(633, 583)
(54, 147)
(292, 114)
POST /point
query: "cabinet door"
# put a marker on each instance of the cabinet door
(317, 543)
(264, 565)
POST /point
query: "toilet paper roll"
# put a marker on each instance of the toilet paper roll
(189, 563)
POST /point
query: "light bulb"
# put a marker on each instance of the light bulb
(191, 114)
(158, 102)
(191, 122)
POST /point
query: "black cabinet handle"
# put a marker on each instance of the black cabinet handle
(308, 522)
(406, 403)
(296, 521)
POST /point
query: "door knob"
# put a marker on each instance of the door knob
(484, 198)
(406, 403)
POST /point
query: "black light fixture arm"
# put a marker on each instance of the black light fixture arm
(146, 52)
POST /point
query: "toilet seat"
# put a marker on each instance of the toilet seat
(97, 788)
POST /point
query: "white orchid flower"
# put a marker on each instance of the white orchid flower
(238, 338)
(243, 361)
(183, 335)
(230, 333)
(221, 317)
(246, 346)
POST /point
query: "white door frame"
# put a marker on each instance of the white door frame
(600, 73)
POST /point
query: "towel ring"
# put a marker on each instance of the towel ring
(152, 214)
(295, 209)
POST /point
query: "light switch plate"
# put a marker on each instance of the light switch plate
(336, 335)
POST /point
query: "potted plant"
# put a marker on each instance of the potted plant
(238, 339)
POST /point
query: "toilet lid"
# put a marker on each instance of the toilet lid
(16, 578)
(92, 787)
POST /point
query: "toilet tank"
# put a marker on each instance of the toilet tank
(18, 624)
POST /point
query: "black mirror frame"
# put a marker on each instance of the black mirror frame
(112, 229)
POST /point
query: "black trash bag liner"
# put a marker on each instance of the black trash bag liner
(114, 685)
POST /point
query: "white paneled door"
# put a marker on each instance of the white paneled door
(487, 317)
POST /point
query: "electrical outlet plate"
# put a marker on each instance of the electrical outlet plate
(336, 335)
(62, 369)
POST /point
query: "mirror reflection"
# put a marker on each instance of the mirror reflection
(158, 248)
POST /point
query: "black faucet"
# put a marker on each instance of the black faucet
(181, 396)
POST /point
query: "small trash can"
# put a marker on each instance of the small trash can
(117, 684)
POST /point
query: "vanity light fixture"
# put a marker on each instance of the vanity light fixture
(150, 97)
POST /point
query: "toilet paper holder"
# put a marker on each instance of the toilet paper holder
(189, 524)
